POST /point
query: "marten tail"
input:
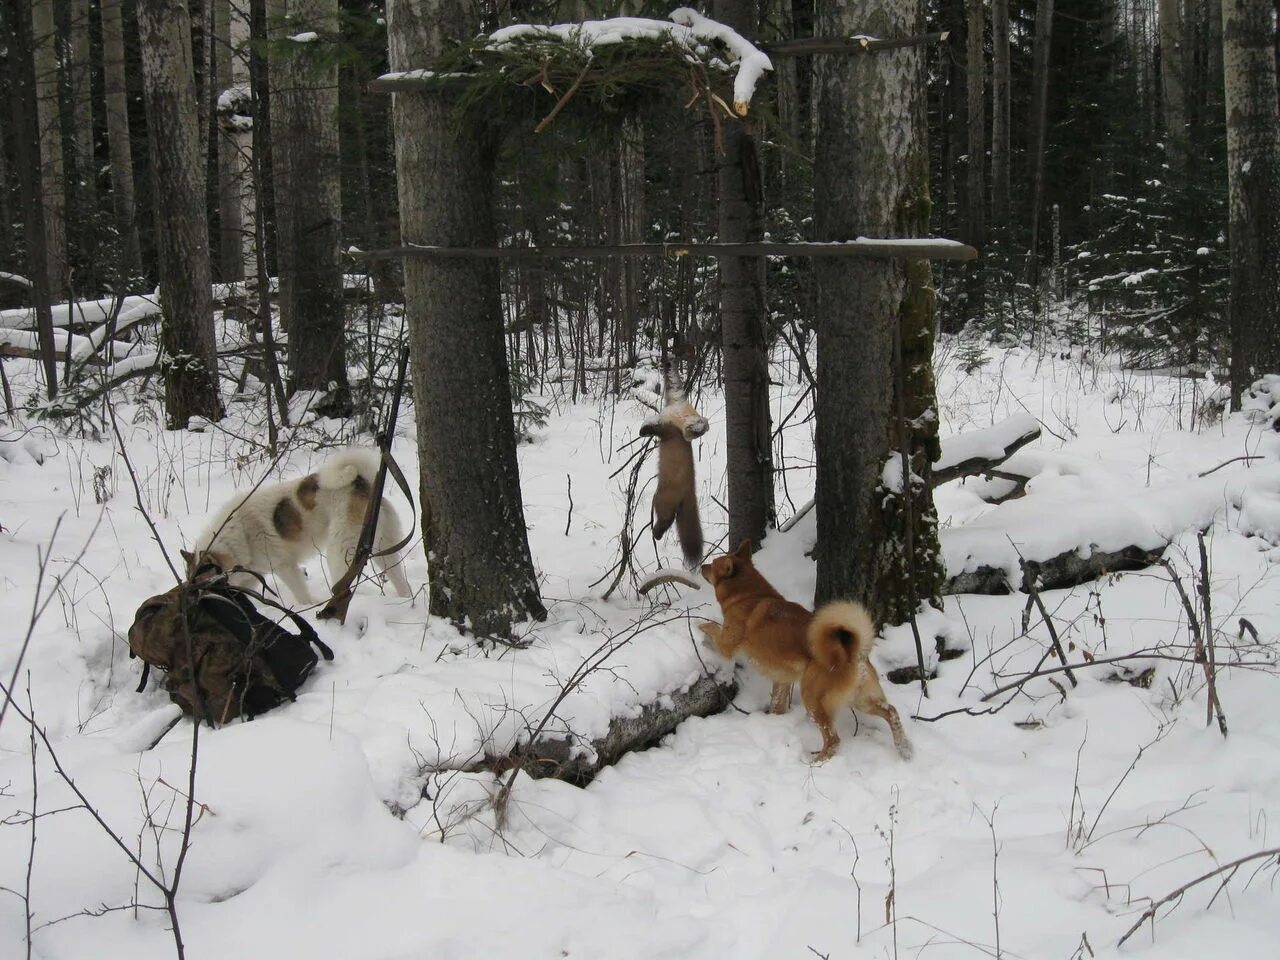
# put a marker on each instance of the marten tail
(689, 530)
(840, 633)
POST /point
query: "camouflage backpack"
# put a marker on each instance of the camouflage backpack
(221, 656)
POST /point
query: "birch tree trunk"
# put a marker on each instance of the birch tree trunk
(116, 100)
(1253, 175)
(182, 227)
(49, 126)
(1000, 112)
(748, 435)
(473, 519)
(308, 194)
(871, 173)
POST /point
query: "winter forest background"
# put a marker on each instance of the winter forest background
(208, 210)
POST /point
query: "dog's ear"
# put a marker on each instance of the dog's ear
(187, 556)
(744, 550)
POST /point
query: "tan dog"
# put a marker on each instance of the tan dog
(826, 651)
(279, 526)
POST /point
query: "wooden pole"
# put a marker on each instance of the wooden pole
(906, 249)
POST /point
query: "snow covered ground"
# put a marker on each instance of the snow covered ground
(340, 826)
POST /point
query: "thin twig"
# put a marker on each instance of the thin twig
(1229, 868)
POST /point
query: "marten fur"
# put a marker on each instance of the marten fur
(676, 500)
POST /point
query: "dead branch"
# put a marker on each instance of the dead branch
(1029, 584)
(1227, 868)
(1197, 638)
(944, 471)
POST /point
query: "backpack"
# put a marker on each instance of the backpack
(221, 656)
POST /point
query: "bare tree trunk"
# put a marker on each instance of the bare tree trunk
(117, 105)
(1173, 81)
(976, 170)
(230, 172)
(49, 124)
(1214, 16)
(976, 67)
(1039, 126)
(748, 436)
(308, 178)
(82, 105)
(16, 23)
(871, 169)
(7, 221)
(182, 228)
(1000, 112)
(1253, 175)
(474, 532)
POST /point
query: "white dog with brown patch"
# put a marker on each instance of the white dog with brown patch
(278, 527)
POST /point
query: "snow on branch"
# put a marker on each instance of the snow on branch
(642, 52)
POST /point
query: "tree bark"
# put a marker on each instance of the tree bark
(871, 169)
(82, 106)
(1173, 81)
(182, 228)
(976, 168)
(474, 530)
(16, 23)
(748, 435)
(49, 125)
(308, 179)
(1039, 125)
(230, 172)
(1000, 112)
(976, 68)
(1253, 175)
(116, 99)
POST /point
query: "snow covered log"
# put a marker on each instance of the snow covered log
(982, 450)
(578, 763)
(1066, 569)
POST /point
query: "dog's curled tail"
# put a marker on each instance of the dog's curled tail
(840, 633)
(340, 470)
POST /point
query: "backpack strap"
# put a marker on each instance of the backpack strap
(308, 632)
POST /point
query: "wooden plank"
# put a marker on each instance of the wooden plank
(803, 46)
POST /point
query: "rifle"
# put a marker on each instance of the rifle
(336, 608)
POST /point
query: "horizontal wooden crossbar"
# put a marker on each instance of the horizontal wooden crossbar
(802, 46)
(907, 249)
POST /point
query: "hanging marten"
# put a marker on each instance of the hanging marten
(676, 501)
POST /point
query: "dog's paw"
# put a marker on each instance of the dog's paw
(905, 750)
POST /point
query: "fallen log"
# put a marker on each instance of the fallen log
(981, 451)
(578, 762)
(1067, 569)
